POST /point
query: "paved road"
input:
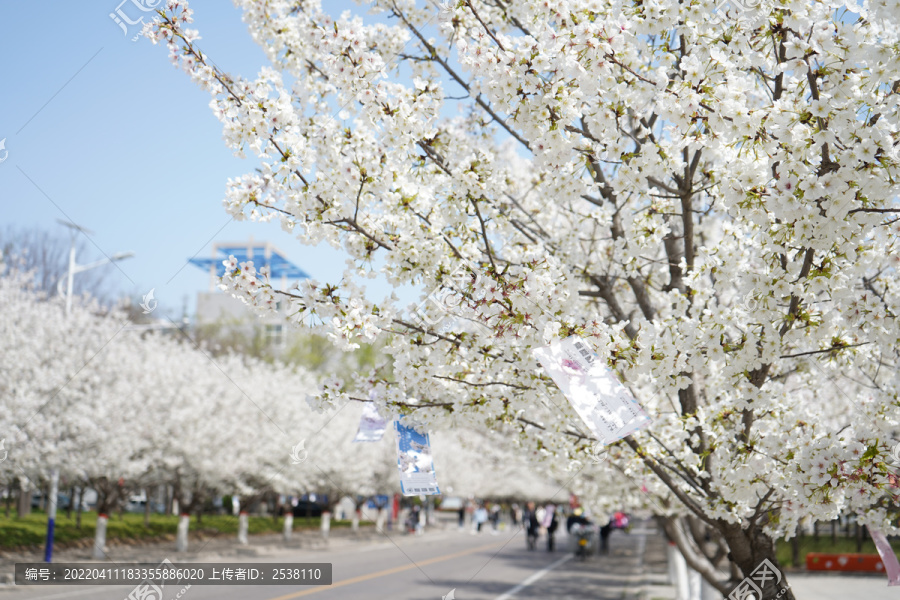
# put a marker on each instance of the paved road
(841, 587)
(477, 567)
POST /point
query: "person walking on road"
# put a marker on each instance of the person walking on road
(550, 524)
(412, 521)
(541, 512)
(495, 518)
(481, 517)
(532, 525)
(605, 530)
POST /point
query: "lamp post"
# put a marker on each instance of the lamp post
(70, 276)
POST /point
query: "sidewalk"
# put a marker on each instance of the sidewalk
(655, 584)
(805, 585)
(841, 586)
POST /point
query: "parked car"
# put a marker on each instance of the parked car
(315, 509)
(451, 503)
(62, 500)
(137, 506)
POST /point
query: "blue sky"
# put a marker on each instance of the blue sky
(105, 132)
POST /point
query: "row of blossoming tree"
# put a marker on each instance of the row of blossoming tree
(706, 192)
(119, 410)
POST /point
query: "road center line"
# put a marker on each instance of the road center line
(361, 578)
(534, 577)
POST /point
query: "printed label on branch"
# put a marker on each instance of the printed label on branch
(415, 462)
(603, 403)
(371, 425)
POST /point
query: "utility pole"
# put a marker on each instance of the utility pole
(70, 278)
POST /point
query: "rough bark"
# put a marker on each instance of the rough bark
(78, 507)
(23, 504)
(749, 548)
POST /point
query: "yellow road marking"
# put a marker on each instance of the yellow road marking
(358, 579)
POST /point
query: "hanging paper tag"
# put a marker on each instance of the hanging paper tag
(603, 403)
(371, 425)
(415, 462)
(888, 558)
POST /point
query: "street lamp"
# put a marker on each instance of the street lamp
(70, 276)
(75, 268)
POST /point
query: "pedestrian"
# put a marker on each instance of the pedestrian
(550, 524)
(605, 530)
(514, 514)
(532, 525)
(481, 517)
(462, 516)
(495, 518)
(412, 521)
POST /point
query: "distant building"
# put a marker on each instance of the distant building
(217, 308)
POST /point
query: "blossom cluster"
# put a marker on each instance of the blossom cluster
(711, 204)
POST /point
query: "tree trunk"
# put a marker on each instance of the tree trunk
(181, 535)
(170, 500)
(243, 527)
(9, 492)
(103, 502)
(680, 573)
(357, 514)
(23, 505)
(795, 549)
(753, 568)
(693, 556)
(326, 524)
(78, 508)
(288, 526)
(750, 548)
(71, 501)
(147, 509)
(177, 496)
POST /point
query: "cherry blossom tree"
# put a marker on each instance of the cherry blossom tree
(707, 195)
(66, 394)
(120, 411)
